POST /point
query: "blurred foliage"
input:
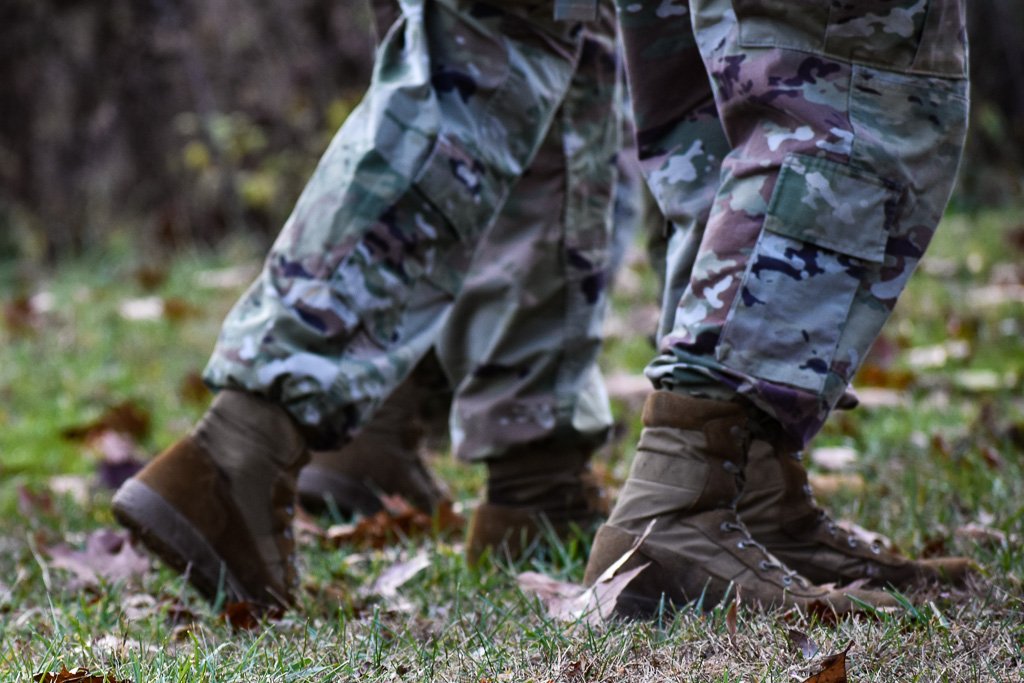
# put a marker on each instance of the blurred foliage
(180, 121)
(175, 120)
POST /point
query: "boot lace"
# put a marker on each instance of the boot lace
(768, 562)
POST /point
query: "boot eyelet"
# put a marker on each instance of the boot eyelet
(787, 580)
(742, 545)
(876, 548)
(851, 542)
(764, 565)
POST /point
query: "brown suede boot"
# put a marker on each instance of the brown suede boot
(384, 458)
(779, 510)
(218, 505)
(533, 492)
(686, 478)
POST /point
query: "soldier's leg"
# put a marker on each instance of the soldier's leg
(357, 284)
(838, 174)
(522, 343)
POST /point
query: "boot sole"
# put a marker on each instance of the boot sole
(172, 537)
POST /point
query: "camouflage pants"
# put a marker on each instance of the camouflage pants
(803, 154)
(488, 133)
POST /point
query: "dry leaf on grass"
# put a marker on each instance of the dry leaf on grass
(833, 669)
(120, 458)
(572, 602)
(108, 556)
(826, 485)
(193, 390)
(834, 457)
(78, 675)
(126, 417)
(246, 616)
(397, 575)
(398, 521)
(984, 536)
(803, 643)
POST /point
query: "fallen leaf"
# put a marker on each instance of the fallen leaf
(108, 556)
(572, 602)
(120, 457)
(834, 457)
(938, 355)
(141, 310)
(803, 643)
(827, 485)
(884, 378)
(73, 486)
(397, 521)
(397, 575)
(176, 310)
(246, 616)
(880, 397)
(234, 277)
(21, 317)
(79, 675)
(994, 296)
(125, 417)
(992, 458)
(732, 615)
(982, 535)
(150, 278)
(32, 502)
(833, 669)
(193, 390)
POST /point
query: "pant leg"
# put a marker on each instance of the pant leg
(845, 127)
(521, 343)
(355, 287)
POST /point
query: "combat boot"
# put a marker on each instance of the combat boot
(535, 492)
(779, 510)
(385, 457)
(218, 505)
(686, 477)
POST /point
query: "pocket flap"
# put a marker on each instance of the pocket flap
(832, 205)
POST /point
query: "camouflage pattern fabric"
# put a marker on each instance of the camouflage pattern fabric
(799, 215)
(465, 99)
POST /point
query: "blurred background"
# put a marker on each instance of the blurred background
(180, 122)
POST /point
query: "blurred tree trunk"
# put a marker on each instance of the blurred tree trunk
(187, 117)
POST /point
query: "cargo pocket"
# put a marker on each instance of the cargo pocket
(826, 224)
(914, 36)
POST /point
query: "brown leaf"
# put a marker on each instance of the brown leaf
(125, 417)
(397, 521)
(32, 502)
(802, 642)
(21, 317)
(246, 616)
(150, 278)
(572, 602)
(992, 458)
(732, 616)
(108, 556)
(79, 675)
(193, 390)
(177, 310)
(833, 669)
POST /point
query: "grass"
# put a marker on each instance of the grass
(949, 455)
